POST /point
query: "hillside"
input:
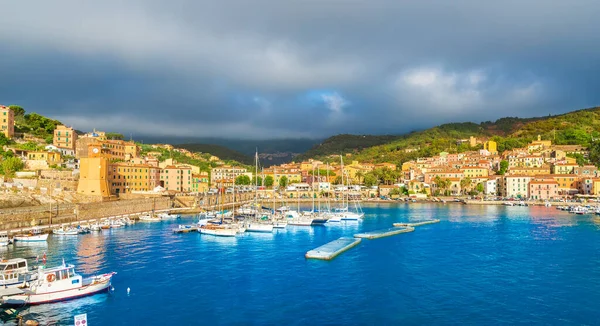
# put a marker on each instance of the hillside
(222, 152)
(577, 127)
(345, 144)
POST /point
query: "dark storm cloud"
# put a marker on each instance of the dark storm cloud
(269, 69)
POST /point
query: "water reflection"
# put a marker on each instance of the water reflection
(91, 250)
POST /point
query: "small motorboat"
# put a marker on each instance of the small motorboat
(53, 285)
(150, 218)
(4, 241)
(35, 235)
(218, 230)
(259, 227)
(66, 231)
(14, 272)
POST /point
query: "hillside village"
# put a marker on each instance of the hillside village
(97, 167)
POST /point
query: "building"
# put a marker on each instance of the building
(126, 177)
(586, 171)
(52, 158)
(225, 172)
(490, 186)
(93, 173)
(516, 186)
(64, 137)
(563, 168)
(491, 146)
(7, 121)
(475, 172)
(544, 189)
(178, 179)
(200, 182)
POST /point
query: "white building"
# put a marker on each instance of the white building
(490, 187)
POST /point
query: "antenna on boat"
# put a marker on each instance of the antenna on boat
(64, 265)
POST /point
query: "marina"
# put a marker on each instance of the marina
(332, 249)
(233, 269)
(383, 233)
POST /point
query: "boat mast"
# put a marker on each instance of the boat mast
(313, 189)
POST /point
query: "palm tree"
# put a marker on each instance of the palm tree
(360, 176)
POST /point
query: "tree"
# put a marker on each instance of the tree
(114, 135)
(465, 184)
(360, 176)
(256, 181)
(283, 181)
(269, 181)
(49, 139)
(503, 167)
(11, 165)
(242, 180)
(595, 154)
(338, 180)
(17, 110)
(480, 189)
(3, 140)
(369, 180)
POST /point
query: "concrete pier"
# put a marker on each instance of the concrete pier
(332, 249)
(383, 233)
(416, 223)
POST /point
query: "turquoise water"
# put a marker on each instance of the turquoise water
(479, 265)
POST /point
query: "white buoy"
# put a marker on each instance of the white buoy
(128, 290)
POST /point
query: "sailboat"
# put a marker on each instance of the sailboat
(256, 225)
(343, 212)
(219, 230)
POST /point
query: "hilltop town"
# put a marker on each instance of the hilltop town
(97, 166)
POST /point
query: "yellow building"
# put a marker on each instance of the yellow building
(475, 172)
(93, 173)
(200, 182)
(50, 157)
(177, 179)
(7, 121)
(563, 168)
(126, 177)
(64, 137)
(596, 186)
(491, 146)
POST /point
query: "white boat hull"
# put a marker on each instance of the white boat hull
(32, 238)
(219, 232)
(264, 228)
(30, 298)
(279, 225)
(61, 232)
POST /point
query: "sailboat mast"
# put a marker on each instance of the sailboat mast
(313, 188)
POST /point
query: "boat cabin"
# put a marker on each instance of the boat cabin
(60, 273)
(11, 270)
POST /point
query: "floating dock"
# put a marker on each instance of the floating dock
(186, 229)
(383, 233)
(412, 225)
(332, 249)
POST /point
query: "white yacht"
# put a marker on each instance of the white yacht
(4, 241)
(53, 285)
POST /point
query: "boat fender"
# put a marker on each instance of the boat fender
(50, 277)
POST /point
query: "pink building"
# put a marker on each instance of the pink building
(177, 179)
(543, 189)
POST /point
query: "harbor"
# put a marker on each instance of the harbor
(233, 269)
(332, 249)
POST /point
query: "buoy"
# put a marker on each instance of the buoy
(128, 290)
(112, 288)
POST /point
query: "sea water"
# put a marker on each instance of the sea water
(480, 265)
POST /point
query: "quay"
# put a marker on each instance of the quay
(383, 233)
(416, 223)
(332, 249)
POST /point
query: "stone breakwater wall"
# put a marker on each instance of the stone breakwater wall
(24, 217)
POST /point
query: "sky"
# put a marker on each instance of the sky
(267, 69)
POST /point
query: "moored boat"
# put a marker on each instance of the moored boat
(259, 227)
(35, 235)
(150, 218)
(66, 231)
(217, 230)
(4, 241)
(55, 284)
(15, 272)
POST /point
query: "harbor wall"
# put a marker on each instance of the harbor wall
(14, 218)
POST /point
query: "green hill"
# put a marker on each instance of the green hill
(222, 152)
(344, 144)
(577, 127)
